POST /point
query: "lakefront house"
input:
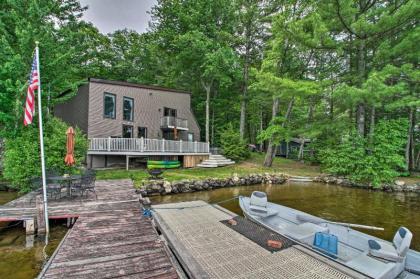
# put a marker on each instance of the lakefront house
(129, 123)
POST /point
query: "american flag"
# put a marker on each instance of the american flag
(30, 98)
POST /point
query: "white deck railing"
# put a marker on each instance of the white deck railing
(144, 145)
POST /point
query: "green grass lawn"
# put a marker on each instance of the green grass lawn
(252, 165)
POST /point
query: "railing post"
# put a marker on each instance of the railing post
(180, 146)
(208, 147)
(163, 145)
(195, 147)
(109, 143)
(141, 144)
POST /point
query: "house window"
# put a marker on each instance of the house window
(128, 104)
(127, 131)
(190, 137)
(142, 132)
(109, 105)
(169, 112)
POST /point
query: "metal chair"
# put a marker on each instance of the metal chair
(84, 185)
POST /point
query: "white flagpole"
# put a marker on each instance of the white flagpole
(41, 142)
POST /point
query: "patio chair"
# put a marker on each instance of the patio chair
(35, 185)
(84, 185)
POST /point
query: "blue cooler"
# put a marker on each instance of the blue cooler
(326, 243)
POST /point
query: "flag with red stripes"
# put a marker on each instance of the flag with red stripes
(30, 97)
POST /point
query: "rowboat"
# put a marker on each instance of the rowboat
(366, 254)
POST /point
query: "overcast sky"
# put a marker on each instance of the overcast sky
(111, 15)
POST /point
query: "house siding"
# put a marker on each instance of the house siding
(75, 111)
(148, 110)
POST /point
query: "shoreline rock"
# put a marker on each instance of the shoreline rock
(164, 187)
(396, 186)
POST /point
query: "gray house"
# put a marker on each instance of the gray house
(128, 122)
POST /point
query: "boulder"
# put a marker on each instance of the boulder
(399, 183)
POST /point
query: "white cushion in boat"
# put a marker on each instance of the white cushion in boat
(370, 266)
(304, 232)
(393, 252)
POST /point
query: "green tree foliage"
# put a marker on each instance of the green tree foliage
(376, 161)
(22, 159)
(276, 70)
(234, 147)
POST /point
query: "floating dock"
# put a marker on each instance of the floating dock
(207, 246)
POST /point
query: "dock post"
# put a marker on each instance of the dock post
(29, 241)
(29, 225)
(40, 218)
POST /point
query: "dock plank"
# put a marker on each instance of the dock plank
(110, 238)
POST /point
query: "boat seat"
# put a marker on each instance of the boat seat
(396, 251)
(371, 266)
(304, 232)
(258, 205)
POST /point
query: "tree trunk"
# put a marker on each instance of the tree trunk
(360, 119)
(289, 111)
(207, 88)
(271, 149)
(413, 142)
(244, 96)
(409, 138)
(361, 67)
(261, 128)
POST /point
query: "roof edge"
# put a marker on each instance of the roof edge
(131, 84)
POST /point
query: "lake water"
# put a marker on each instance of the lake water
(327, 201)
(17, 261)
(335, 203)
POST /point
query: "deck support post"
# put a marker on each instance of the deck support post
(68, 222)
(40, 218)
(127, 162)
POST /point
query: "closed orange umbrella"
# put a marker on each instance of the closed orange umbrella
(70, 147)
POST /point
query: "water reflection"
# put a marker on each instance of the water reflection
(18, 257)
(335, 203)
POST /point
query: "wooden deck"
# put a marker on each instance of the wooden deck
(109, 239)
(207, 248)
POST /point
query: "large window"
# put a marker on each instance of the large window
(142, 132)
(127, 131)
(109, 105)
(128, 109)
(169, 112)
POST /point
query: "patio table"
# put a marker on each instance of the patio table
(67, 180)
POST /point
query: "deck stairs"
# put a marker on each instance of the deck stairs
(215, 161)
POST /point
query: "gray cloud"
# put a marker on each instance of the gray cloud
(111, 15)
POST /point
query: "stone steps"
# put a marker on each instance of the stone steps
(215, 161)
(300, 179)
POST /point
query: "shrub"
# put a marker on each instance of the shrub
(22, 153)
(233, 146)
(373, 161)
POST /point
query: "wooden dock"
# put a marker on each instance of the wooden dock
(110, 238)
(207, 248)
